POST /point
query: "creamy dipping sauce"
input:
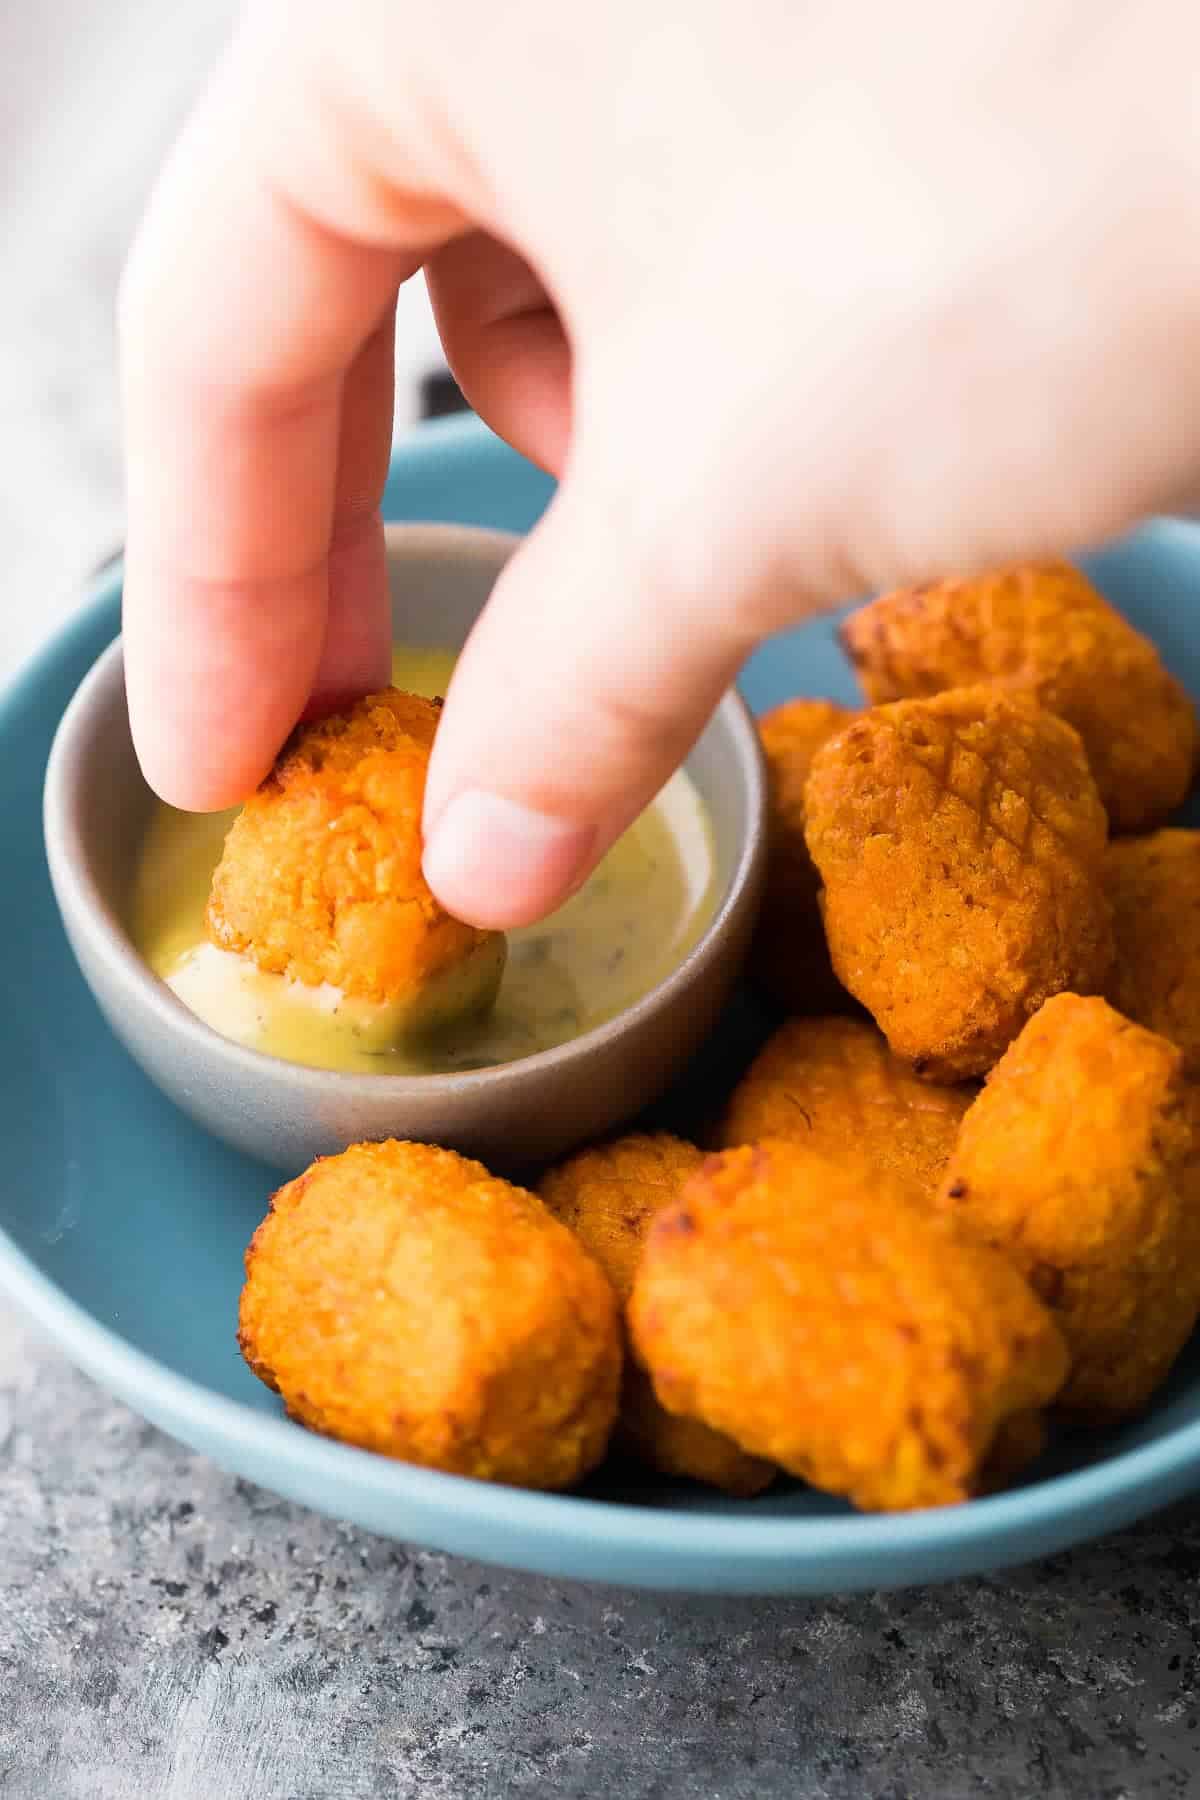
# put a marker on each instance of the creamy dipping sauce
(630, 924)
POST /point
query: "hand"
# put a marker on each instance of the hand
(797, 301)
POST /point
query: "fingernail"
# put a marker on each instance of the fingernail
(497, 864)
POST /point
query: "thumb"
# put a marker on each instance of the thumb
(583, 686)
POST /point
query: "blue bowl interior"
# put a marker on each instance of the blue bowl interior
(121, 1215)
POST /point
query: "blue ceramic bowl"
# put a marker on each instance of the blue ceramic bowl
(124, 1225)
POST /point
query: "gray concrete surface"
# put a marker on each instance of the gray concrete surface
(167, 1633)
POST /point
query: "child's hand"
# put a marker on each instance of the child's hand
(798, 300)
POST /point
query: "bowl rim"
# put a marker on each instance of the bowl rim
(108, 938)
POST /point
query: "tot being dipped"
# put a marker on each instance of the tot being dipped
(1078, 1161)
(828, 1324)
(609, 1196)
(960, 842)
(834, 1086)
(401, 1298)
(320, 878)
(1043, 629)
(303, 927)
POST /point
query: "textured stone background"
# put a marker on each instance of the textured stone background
(169, 1634)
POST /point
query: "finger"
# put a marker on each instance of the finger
(241, 315)
(579, 692)
(356, 655)
(505, 343)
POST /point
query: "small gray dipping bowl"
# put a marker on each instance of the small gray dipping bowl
(96, 810)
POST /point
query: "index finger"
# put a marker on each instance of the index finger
(243, 314)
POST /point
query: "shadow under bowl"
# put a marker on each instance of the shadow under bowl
(97, 807)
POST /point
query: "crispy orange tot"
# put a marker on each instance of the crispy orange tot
(833, 1085)
(1154, 886)
(828, 1324)
(320, 878)
(401, 1298)
(960, 841)
(608, 1196)
(1078, 1162)
(1042, 628)
(789, 959)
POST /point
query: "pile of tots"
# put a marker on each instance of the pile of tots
(956, 1196)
